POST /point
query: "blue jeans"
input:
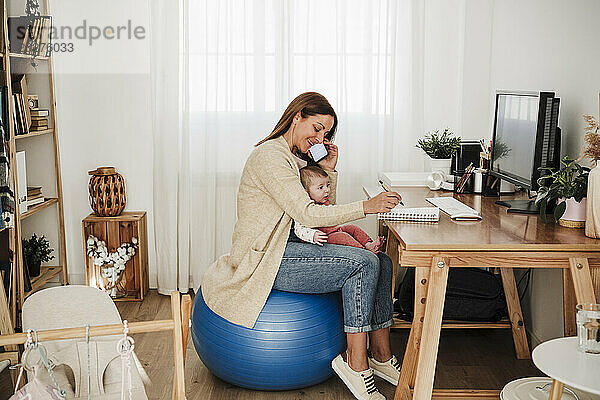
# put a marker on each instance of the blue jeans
(365, 280)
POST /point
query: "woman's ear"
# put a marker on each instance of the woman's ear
(297, 116)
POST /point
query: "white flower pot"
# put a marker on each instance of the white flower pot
(574, 216)
(441, 164)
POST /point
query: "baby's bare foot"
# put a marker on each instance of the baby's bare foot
(373, 246)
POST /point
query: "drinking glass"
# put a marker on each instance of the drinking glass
(588, 327)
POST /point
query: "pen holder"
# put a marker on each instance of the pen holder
(490, 185)
(464, 183)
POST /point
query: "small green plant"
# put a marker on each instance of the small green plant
(439, 145)
(569, 181)
(37, 250)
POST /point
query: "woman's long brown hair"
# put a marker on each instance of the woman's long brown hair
(309, 103)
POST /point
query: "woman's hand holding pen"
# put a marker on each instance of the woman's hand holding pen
(381, 203)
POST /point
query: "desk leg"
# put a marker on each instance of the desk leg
(411, 354)
(515, 314)
(569, 303)
(582, 280)
(556, 390)
(432, 325)
(393, 251)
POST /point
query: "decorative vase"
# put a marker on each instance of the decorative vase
(592, 222)
(107, 192)
(441, 164)
(574, 216)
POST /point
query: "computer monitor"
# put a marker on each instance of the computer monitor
(525, 137)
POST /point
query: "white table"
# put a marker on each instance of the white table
(561, 361)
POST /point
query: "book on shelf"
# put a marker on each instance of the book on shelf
(40, 112)
(35, 202)
(30, 34)
(39, 123)
(44, 129)
(21, 115)
(16, 115)
(20, 90)
(22, 181)
(34, 191)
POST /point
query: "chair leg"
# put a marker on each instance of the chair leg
(557, 390)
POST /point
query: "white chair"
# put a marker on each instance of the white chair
(75, 306)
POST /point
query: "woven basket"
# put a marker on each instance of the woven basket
(107, 192)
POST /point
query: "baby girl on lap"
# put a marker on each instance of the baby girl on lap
(316, 183)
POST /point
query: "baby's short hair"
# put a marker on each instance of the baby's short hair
(307, 174)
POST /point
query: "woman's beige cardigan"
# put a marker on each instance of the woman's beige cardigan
(270, 195)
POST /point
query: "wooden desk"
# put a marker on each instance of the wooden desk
(499, 240)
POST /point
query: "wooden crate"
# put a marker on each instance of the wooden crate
(116, 231)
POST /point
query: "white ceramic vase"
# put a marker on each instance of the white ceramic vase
(574, 216)
(592, 222)
(441, 164)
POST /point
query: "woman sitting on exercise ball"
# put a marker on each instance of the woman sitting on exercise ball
(263, 257)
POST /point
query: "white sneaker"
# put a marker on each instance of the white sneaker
(389, 370)
(361, 384)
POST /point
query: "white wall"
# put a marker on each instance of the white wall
(444, 29)
(103, 113)
(534, 45)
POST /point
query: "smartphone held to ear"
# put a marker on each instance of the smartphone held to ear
(318, 152)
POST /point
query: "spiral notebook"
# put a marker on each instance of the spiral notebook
(412, 214)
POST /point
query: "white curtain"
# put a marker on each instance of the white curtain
(171, 136)
(247, 60)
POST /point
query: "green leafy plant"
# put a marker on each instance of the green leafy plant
(37, 250)
(439, 145)
(569, 181)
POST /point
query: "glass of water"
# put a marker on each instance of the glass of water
(588, 327)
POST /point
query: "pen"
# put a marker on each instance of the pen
(481, 143)
(387, 189)
(462, 180)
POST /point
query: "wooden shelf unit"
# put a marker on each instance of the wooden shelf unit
(34, 134)
(27, 56)
(46, 274)
(18, 293)
(39, 207)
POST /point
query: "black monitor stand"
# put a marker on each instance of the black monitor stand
(520, 206)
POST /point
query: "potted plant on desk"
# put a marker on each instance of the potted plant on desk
(566, 190)
(440, 147)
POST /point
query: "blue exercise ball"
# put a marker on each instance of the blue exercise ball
(290, 347)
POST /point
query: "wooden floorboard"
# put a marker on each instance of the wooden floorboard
(468, 358)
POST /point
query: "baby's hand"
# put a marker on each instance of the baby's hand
(320, 238)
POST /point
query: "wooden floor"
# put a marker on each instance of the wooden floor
(469, 358)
